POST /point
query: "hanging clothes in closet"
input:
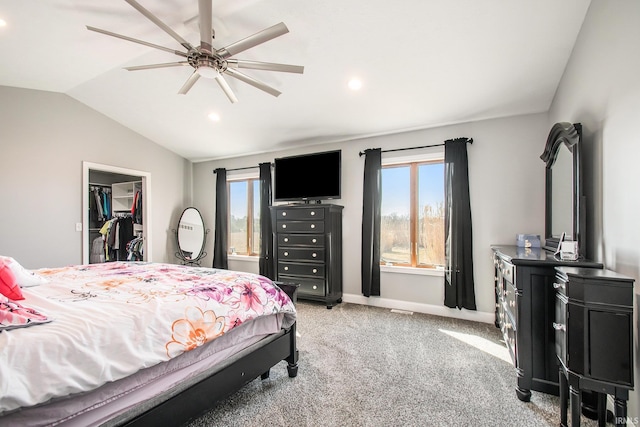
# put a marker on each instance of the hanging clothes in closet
(117, 233)
(136, 208)
(99, 204)
(135, 249)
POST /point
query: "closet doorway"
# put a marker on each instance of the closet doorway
(122, 185)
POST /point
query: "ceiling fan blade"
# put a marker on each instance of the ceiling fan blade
(160, 24)
(155, 46)
(253, 40)
(152, 66)
(269, 66)
(189, 83)
(206, 34)
(253, 82)
(227, 90)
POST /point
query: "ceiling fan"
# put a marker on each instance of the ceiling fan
(208, 61)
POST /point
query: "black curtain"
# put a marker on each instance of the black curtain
(220, 256)
(266, 266)
(371, 222)
(458, 281)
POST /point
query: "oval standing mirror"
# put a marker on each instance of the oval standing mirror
(191, 235)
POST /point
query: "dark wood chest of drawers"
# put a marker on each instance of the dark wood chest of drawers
(594, 338)
(525, 313)
(308, 249)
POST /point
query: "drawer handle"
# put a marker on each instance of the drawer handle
(313, 226)
(284, 214)
(558, 286)
(559, 326)
(286, 269)
(313, 213)
(286, 239)
(314, 255)
(315, 270)
(286, 254)
(284, 225)
(313, 240)
(315, 287)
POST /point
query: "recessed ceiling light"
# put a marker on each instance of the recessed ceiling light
(3, 23)
(214, 117)
(355, 84)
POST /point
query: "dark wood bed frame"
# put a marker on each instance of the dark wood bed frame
(204, 395)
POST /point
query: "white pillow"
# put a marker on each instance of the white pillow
(24, 277)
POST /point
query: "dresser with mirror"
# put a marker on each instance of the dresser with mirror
(524, 277)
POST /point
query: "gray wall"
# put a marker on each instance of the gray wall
(601, 89)
(507, 197)
(44, 138)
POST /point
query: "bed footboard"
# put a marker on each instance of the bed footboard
(203, 396)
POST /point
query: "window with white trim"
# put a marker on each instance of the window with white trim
(244, 216)
(412, 226)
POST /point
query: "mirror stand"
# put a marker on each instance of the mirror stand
(191, 237)
(185, 257)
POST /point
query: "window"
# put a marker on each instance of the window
(412, 226)
(244, 217)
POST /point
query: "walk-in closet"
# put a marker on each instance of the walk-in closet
(115, 226)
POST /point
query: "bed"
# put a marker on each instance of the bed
(137, 343)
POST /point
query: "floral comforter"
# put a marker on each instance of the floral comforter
(110, 320)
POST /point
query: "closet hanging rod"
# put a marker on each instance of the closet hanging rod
(469, 140)
(95, 184)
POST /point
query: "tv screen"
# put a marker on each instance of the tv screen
(308, 177)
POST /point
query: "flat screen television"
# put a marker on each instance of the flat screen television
(308, 177)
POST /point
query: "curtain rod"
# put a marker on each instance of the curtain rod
(239, 169)
(469, 140)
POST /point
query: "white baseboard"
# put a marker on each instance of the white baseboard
(420, 308)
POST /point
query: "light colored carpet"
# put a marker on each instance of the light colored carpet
(367, 366)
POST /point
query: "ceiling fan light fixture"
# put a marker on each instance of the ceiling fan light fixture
(206, 61)
(207, 72)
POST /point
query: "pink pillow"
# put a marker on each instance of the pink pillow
(8, 286)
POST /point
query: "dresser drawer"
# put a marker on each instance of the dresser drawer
(307, 286)
(302, 269)
(300, 213)
(560, 286)
(301, 254)
(509, 333)
(510, 300)
(314, 240)
(560, 327)
(300, 226)
(507, 270)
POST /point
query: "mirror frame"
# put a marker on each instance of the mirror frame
(565, 135)
(179, 254)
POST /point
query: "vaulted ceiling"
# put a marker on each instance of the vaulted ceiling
(422, 63)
